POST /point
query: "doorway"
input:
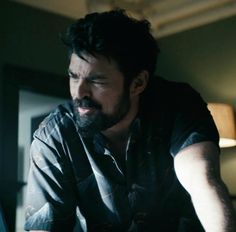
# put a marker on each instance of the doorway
(26, 94)
(33, 108)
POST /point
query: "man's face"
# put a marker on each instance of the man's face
(97, 90)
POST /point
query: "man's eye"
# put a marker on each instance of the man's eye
(97, 82)
(72, 77)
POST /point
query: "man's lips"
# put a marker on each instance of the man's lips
(86, 110)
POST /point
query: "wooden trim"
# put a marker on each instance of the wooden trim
(37, 81)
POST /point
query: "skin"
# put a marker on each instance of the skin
(205, 186)
(197, 168)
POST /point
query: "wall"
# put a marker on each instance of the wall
(32, 38)
(205, 57)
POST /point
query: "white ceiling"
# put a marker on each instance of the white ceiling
(167, 16)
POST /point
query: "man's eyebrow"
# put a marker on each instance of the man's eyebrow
(90, 77)
(96, 77)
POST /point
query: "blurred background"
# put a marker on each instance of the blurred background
(197, 39)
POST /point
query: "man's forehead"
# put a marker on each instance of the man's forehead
(87, 61)
(84, 58)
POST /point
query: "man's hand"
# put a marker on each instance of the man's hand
(197, 168)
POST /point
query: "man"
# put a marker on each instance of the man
(130, 152)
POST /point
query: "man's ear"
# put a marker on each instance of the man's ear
(139, 83)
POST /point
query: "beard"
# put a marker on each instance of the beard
(91, 124)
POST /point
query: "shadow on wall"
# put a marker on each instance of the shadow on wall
(228, 170)
(21, 168)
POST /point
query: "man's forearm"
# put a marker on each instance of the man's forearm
(214, 208)
(197, 168)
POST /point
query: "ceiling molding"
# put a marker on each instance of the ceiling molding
(166, 16)
(171, 16)
(190, 15)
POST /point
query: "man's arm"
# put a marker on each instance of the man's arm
(197, 168)
(51, 201)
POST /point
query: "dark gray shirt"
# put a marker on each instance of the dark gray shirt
(78, 181)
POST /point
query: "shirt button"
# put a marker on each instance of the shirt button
(139, 218)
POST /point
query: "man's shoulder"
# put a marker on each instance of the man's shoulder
(167, 100)
(176, 94)
(61, 116)
(174, 88)
(167, 94)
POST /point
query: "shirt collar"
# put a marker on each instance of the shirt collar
(100, 142)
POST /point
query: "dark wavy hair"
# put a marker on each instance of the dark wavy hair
(117, 36)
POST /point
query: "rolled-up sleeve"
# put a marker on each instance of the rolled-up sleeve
(193, 122)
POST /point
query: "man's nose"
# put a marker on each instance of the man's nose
(83, 89)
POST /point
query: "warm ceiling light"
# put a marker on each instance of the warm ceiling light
(223, 115)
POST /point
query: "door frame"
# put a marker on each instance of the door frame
(16, 78)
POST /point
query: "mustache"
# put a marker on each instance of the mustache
(86, 102)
